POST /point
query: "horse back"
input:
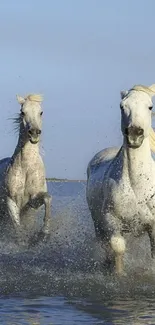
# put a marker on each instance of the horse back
(95, 175)
(101, 160)
(4, 163)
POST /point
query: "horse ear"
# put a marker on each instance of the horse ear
(152, 87)
(20, 99)
(124, 93)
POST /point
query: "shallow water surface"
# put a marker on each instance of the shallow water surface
(64, 280)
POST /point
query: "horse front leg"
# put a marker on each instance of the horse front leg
(116, 241)
(47, 216)
(35, 203)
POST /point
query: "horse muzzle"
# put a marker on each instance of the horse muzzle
(134, 136)
(34, 135)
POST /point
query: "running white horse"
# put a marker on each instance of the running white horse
(121, 181)
(22, 177)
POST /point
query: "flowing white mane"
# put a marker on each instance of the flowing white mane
(148, 90)
(34, 97)
(31, 97)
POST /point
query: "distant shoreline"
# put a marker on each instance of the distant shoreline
(53, 179)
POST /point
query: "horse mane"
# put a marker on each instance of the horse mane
(34, 97)
(16, 121)
(152, 140)
(148, 90)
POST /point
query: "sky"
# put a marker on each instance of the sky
(80, 54)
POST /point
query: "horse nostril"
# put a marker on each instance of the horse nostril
(126, 131)
(140, 131)
(34, 132)
(134, 131)
(30, 132)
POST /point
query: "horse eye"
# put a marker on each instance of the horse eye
(150, 108)
(41, 113)
(22, 113)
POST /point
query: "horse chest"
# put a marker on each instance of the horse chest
(129, 203)
(34, 182)
(26, 182)
(123, 201)
(15, 181)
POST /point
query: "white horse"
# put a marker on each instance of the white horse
(121, 181)
(22, 177)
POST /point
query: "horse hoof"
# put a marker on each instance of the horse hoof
(44, 236)
(41, 236)
(121, 274)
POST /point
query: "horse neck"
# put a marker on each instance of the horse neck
(25, 150)
(138, 163)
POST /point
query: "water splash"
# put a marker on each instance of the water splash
(72, 262)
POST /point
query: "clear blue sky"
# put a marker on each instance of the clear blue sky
(79, 54)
